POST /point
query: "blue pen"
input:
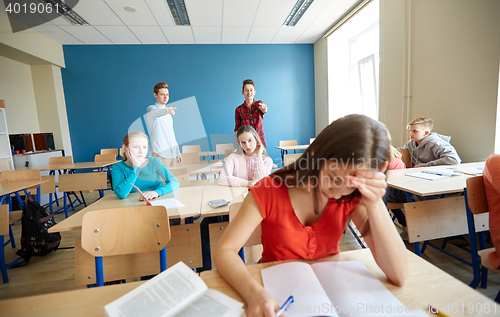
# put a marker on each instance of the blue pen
(285, 306)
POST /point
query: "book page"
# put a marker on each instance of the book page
(213, 303)
(169, 203)
(354, 291)
(478, 171)
(428, 176)
(297, 279)
(163, 295)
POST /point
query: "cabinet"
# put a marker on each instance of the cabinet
(6, 162)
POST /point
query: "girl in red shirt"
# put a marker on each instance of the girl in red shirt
(304, 207)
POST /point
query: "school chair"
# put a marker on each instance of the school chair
(228, 152)
(476, 206)
(55, 160)
(182, 175)
(78, 183)
(6, 219)
(191, 149)
(405, 157)
(110, 151)
(288, 143)
(290, 158)
(222, 149)
(106, 158)
(255, 237)
(190, 158)
(18, 176)
(122, 231)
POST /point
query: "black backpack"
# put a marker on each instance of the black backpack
(35, 238)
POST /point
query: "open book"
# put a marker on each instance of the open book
(169, 203)
(344, 288)
(433, 174)
(178, 291)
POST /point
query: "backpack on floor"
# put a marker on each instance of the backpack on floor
(35, 238)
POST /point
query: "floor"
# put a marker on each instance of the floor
(55, 271)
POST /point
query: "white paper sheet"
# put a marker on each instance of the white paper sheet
(169, 203)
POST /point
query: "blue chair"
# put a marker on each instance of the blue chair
(121, 231)
(476, 205)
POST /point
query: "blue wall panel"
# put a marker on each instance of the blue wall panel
(108, 88)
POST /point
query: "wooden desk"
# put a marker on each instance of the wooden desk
(70, 166)
(232, 194)
(423, 187)
(7, 188)
(438, 218)
(426, 285)
(189, 196)
(285, 148)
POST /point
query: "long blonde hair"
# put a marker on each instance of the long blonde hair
(128, 137)
(248, 128)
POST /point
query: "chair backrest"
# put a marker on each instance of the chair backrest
(49, 186)
(228, 152)
(191, 149)
(288, 142)
(182, 175)
(60, 160)
(255, 237)
(476, 196)
(104, 157)
(405, 157)
(190, 158)
(128, 230)
(290, 158)
(110, 151)
(221, 148)
(4, 221)
(82, 181)
(19, 176)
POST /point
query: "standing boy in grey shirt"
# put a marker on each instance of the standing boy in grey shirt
(163, 143)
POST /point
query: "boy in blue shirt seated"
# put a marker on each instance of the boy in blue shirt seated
(428, 148)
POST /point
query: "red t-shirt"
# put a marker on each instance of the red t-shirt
(284, 237)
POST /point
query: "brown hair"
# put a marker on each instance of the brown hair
(247, 82)
(159, 86)
(354, 140)
(128, 137)
(248, 128)
(426, 122)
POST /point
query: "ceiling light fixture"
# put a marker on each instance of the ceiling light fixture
(129, 8)
(297, 12)
(66, 12)
(179, 13)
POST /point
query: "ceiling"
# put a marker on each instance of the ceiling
(212, 22)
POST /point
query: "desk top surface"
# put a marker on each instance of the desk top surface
(292, 147)
(12, 187)
(195, 199)
(423, 187)
(69, 166)
(426, 285)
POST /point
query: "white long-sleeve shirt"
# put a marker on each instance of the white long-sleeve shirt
(240, 168)
(161, 126)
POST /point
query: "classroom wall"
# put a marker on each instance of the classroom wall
(31, 84)
(447, 63)
(108, 87)
(321, 84)
(16, 88)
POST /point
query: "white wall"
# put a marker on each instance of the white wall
(16, 88)
(451, 68)
(321, 84)
(31, 84)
